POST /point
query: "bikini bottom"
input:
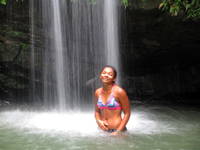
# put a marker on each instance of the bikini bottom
(111, 130)
(114, 130)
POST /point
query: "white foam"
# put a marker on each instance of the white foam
(74, 123)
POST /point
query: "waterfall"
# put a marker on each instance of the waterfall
(32, 30)
(72, 40)
(111, 33)
(59, 60)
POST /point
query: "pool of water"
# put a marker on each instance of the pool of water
(150, 128)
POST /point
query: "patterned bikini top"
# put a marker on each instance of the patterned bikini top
(111, 104)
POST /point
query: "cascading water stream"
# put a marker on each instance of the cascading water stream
(59, 60)
(77, 41)
(111, 33)
(32, 91)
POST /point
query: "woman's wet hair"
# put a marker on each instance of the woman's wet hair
(113, 68)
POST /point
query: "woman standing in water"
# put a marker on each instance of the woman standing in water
(110, 101)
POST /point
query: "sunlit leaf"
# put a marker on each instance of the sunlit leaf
(3, 2)
(161, 5)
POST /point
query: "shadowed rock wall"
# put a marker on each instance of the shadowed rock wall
(161, 56)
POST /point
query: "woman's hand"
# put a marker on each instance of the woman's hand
(102, 124)
(116, 133)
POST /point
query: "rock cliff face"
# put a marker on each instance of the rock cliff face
(160, 54)
(14, 51)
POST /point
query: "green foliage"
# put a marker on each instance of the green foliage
(3, 2)
(125, 2)
(24, 46)
(15, 34)
(189, 8)
(194, 13)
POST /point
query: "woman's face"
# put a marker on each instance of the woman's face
(107, 75)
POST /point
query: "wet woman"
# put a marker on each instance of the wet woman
(110, 101)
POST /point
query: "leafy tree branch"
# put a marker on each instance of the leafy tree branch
(187, 8)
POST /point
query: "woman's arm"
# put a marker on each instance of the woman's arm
(125, 104)
(102, 124)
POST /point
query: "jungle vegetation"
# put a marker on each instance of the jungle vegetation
(187, 8)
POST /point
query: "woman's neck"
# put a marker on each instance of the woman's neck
(107, 87)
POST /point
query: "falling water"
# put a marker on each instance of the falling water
(111, 33)
(58, 46)
(74, 41)
(32, 51)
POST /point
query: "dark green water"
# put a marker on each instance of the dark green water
(150, 128)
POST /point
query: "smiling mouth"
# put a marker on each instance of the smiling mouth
(106, 79)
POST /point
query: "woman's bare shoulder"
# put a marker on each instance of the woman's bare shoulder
(97, 92)
(119, 90)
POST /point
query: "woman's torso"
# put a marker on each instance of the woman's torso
(110, 108)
